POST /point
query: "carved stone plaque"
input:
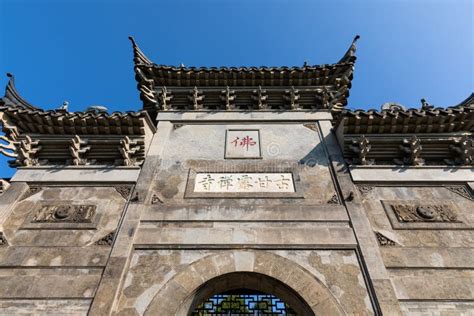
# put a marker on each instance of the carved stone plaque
(244, 182)
(62, 215)
(242, 144)
(65, 214)
(424, 215)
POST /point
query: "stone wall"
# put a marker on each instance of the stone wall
(159, 239)
(58, 239)
(427, 249)
(176, 240)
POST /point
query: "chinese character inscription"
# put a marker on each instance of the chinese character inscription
(242, 144)
(243, 182)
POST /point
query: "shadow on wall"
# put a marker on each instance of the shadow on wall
(316, 157)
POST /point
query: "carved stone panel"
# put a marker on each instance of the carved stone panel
(424, 215)
(65, 214)
(384, 240)
(62, 215)
(365, 189)
(334, 199)
(107, 240)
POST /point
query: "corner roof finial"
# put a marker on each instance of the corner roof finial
(12, 97)
(349, 56)
(139, 57)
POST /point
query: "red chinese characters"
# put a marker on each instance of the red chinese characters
(244, 142)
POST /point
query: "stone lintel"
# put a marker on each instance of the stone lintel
(260, 116)
(430, 258)
(76, 174)
(205, 213)
(330, 235)
(411, 174)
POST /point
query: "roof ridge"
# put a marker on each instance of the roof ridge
(466, 103)
(140, 59)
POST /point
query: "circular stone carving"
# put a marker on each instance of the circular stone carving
(62, 212)
(425, 212)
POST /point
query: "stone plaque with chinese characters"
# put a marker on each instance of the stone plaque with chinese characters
(242, 144)
(244, 182)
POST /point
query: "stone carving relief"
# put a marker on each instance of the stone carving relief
(65, 214)
(260, 97)
(334, 97)
(79, 149)
(292, 97)
(311, 126)
(196, 97)
(464, 150)
(124, 190)
(334, 199)
(461, 190)
(165, 99)
(322, 96)
(411, 150)
(3, 240)
(424, 213)
(146, 86)
(26, 152)
(31, 191)
(384, 241)
(228, 98)
(365, 189)
(155, 199)
(129, 150)
(361, 147)
(107, 240)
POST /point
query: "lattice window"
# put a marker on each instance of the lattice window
(243, 302)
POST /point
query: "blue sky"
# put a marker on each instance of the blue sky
(78, 50)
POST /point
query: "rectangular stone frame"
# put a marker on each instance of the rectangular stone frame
(423, 225)
(298, 194)
(28, 224)
(242, 129)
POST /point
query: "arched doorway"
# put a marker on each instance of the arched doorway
(258, 270)
(247, 293)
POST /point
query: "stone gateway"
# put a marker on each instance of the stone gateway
(238, 191)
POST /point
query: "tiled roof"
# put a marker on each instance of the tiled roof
(336, 78)
(165, 75)
(30, 119)
(456, 118)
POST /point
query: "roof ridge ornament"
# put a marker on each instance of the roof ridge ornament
(139, 58)
(349, 56)
(12, 95)
(425, 105)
